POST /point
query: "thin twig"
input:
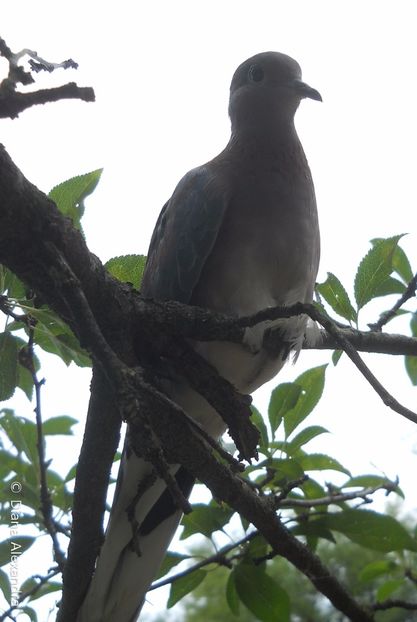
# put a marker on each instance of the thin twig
(334, 498)
(411, 576)
(46, 503)
(37, 63)
(287, 488)
(391, 313)
(391, 603)
(7, 306)
(217, 558)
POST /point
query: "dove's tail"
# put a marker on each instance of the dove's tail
(143, 521)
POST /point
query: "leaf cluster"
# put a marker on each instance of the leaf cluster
(385, 270)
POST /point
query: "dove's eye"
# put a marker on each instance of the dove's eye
(255, 73)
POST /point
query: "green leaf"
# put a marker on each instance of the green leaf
(320, 462)
(389, 286)
(9, 464)
(184, 585)
(21, 432)
(400, 262)
(374, 269)
(59, 425)
(5, 585)
(312, 489)
(370, 481)
(413, 324)
(411, 368)
(378, 532)
(336, 356)
(411, 361)
(312, 384)
(25, 379)
(261, 594)
(336, 296)
(29, 432)
(31, 613)
(16, 545)
(313, 529)
(376, 569)
(2, 279)
(169, 562)
(258, 420)
(71, 473)
(386, 589)
(127, 268)
(307, 435)
(54, 336)
(46, 588)
(257, 547)
(287, 470)
(25, 382)
(232, 597)
(283, 399)
(402, 265)
(205, 519)
(9, 374)
(69, 195)
(12, 285)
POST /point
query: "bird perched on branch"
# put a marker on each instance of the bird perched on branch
(239, 234)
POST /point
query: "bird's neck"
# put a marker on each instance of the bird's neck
(265, 140)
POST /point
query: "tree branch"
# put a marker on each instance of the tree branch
(46, 504)
(218, 558)
(13, 102)
(391, 603)
(340, 497)
(388, 315)
(367, 341)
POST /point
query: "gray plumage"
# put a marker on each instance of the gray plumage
(239, 234)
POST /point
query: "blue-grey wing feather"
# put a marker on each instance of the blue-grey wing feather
(184, 236)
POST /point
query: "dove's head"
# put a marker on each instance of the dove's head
(267, 89)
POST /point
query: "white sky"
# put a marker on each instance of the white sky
(161, 72)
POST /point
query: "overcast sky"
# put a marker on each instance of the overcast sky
(161, 72)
